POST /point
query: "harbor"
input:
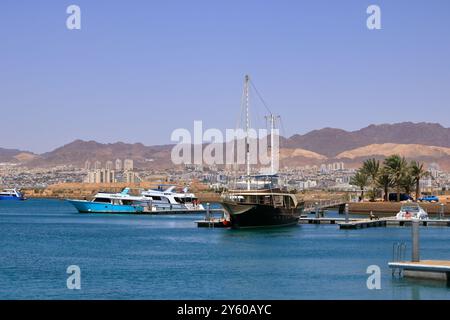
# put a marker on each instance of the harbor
(169, 257)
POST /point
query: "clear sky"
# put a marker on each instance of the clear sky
(137, 70)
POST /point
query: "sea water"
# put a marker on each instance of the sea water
(168, 257)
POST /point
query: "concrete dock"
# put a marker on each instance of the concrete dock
(361, 224)
(306, 220)
(425, 269)
(367, 223)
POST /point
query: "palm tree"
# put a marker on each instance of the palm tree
(418, 172)
(384, 181)
(371, 168)
(408, 183)
(397, 167)
(360, 179)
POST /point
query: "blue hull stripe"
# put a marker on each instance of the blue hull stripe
(98, 207)
(11, 198)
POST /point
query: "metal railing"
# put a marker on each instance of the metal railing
(398, 255)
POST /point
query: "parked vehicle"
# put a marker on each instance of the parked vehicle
(428, 199)
(403, 197)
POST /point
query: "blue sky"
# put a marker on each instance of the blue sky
(137, 70)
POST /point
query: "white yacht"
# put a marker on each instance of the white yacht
(412, 211)
(106, 202)
(170, 199)
(11, 194)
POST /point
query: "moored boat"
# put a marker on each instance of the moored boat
(104, 202)
(256, 208)
(170, 199)
(412, 211)
(12, 194)
(262, 208)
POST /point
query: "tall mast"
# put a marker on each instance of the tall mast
(247, 128)
(272, 120)
(272, 140)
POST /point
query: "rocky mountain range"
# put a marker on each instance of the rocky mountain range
(427, 142)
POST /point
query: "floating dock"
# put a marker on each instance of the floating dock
(425, 269)
(212, 223)
(367, 223)
(306, 220)
(361, 224)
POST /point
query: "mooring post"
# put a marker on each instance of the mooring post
(415, 241)
(317, 210)
(441, 211)
(346, 213)
(208, 217)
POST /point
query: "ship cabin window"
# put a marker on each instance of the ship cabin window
(178, 200)
(156, 198)
(164, 199)
(127, 202)
(103, 200)
(278, 201)
(289, 203)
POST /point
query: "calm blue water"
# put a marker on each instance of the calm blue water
(168, 257)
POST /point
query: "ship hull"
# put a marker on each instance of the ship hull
(260, 216)
(11, 198)
(98, 207)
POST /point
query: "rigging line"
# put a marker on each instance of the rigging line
(260, 97)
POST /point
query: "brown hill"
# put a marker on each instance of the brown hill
(331, 142)
(422, 141)
(16, 156)
(79, 151)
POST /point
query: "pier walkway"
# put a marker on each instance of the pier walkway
(353, 223)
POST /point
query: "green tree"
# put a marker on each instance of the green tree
(371, 168)
(418, 173)
(397, 167)
(384, 181)
(407, 182)
(361, 180)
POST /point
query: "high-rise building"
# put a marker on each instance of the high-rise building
(97, 165)
(87, 165)
(130, 177)
(109, 165)
(118, 165)
(128, 165)
(101, 176)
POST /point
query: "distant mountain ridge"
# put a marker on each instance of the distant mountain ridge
(331, 142)
(421, 141)
(15, 155)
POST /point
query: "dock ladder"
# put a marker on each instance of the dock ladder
(398, 255)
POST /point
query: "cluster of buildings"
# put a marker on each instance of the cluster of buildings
(13, 175)
(332, 176)
(111, 172)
